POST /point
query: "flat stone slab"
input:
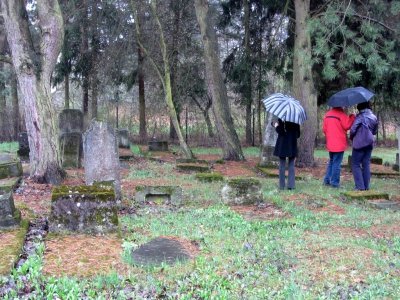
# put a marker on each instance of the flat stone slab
(197, 167)
(365, 195)
(241, 191)
(209, 177)
(385, 204)
(158, 251)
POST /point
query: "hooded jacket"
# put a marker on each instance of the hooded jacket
(335, 126)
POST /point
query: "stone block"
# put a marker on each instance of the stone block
(11, 168)
(101, 159)
(9, 216)
(123, 138)
(155, 145)
(71, 149)
(161, 195)
(193, 167)
(23, 145)
(84, 209)
(365, 195)
(376, 160)
(209, 177)
(385, 204)
(239, 191)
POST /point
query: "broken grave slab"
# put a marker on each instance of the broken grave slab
(159, 194)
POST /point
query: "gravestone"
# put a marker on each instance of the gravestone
(101, 160)
(396, 166)
(71, 127)
(85, 209)
(23, 145)
(239, 191)
(158, 251)
(159, 195)
(123, 138)
(267, 157)
(155, 145)
(9, 216)
(10, 166)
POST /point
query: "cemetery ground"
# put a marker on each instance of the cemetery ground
(307, 243)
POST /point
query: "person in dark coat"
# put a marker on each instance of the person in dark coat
(286, 147)
(361, 154)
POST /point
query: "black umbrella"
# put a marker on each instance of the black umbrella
(350, 96)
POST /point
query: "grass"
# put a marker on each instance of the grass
(305, 255)
(11, 147)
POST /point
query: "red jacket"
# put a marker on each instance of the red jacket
(336, 124)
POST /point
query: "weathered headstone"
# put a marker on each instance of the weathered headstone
(23, 145)
(158, 251)
(123, 138)
(101, 160)
(396, 166)
(86, 209)
(9, 216)
(71, 128)
(267, 157)
(155, 145)
(9, 166)
(159, 194)
(240, 191)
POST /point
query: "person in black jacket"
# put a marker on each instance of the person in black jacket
(286, 147)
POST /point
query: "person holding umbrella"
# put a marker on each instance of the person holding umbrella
(336, 123)
(362, 134)
(291, 114)
(286, 148)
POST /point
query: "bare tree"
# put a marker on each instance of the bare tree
(229, 140)
(34, 59)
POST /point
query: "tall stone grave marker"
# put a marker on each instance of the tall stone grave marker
(9, 216)
(23, 145)
(123, 138)
(267, 157)
(71, 128)
(101, 160)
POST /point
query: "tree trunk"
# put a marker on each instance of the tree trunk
(142, 99)
(15, 105)
(95, 91)
(66, 91)
(208, 123)
(33, 69)
(84, 53)
(4, 132)
(303, 84)
(247, 76)
(230, 142)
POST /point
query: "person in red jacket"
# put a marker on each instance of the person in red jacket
(335, 127)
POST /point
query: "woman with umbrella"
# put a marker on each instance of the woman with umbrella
(291, 114)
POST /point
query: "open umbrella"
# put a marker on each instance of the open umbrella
(285, 108)
(350, 96)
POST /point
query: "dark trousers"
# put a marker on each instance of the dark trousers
(332, 176)
(360, 166)
(291, 175)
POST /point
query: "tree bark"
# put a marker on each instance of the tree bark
(94, 102)
(33, 69)
(15, 106)
(66, 91)
(84, 53)
(4, 132)
(247, 76)
(229, 140)
(142, 99)
(303, 84)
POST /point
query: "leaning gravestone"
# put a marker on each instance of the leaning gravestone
(71, 127)
(23, 145)
(85, 209)
(101, 160)
(267, 158)
(9, 216)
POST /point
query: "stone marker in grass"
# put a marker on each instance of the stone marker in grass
(158, 251)
(123, 138)
(385, 204)
(196, 167)
(23, 145)
(156, 145)
(396, 166)
(9, 216)
(365, 195)
(85, 209)
(161, 195)
(209, 177)
(10, 166)
(239, 191)
(101, 158)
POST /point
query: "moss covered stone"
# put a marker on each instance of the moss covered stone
(86, 209)
(9, 184)
(10, 169)
(209, 177)
(240, 191)
(376, 160)
(191, 161)
(365, 195)
(159, 194)
(193, 167)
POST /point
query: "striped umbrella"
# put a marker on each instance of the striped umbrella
(285, 108)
